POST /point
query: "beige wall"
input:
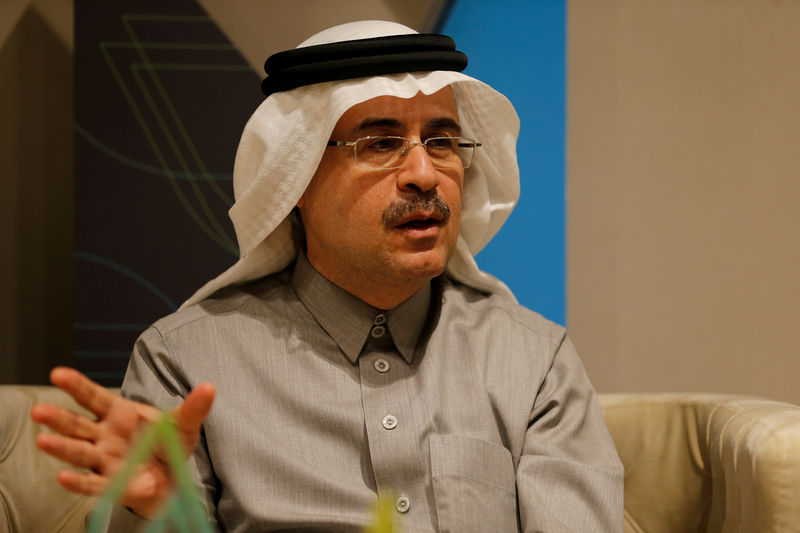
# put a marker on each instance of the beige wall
(259, 28)
(683, 191)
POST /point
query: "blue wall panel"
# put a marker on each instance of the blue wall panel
(519, 48)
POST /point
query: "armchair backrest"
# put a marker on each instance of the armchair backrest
(30, 497)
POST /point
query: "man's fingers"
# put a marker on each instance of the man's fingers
(194, 410)
(146, 492)
(79, 453)
(86, 392)
(64, 421)
(83, 482)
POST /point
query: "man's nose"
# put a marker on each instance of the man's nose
(417, 172)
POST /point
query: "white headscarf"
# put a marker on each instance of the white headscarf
(270, 173)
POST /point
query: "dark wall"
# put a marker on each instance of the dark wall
(161, 97)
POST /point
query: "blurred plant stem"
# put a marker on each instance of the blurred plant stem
(184, 510)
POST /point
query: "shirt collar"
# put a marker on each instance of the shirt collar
(349, 320)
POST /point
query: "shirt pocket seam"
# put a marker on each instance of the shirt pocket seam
(467, 448)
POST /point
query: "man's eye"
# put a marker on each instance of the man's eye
(442, 144)
(383, 144)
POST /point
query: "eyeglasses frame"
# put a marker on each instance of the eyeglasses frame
(424, 144)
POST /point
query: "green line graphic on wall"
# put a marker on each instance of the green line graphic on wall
(179, 144)
(144, 167)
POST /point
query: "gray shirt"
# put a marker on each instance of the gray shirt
(472, 412)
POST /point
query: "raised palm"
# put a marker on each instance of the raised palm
(99, 446)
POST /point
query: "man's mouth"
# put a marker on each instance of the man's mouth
(419, 223)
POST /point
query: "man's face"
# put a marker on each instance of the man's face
(367, 227)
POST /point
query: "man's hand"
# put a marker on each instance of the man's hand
(101, 445)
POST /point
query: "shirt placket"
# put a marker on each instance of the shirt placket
(393, 441)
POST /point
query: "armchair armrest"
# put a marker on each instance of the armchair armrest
(703, 462)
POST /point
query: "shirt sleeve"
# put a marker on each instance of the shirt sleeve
(151, 378)
(569, 478)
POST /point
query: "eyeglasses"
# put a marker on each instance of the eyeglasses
(388, 152)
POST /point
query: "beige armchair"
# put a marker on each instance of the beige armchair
(694, 463)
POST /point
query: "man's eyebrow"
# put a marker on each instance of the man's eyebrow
(438, 123)
(444, 123)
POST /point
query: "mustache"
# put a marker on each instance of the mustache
(415, 202)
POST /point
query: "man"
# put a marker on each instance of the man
(356, 349)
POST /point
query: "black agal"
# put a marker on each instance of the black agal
(362, 57)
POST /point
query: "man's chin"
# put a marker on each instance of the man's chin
(422, 265)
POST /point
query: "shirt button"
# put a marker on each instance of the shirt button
(380, 319)
(403, 504)
(381, 365)
(378, 331)
(390, 422)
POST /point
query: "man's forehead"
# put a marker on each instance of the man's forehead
(437, 109)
